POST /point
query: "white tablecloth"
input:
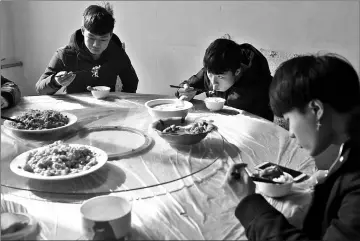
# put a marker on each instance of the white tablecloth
(195, 207)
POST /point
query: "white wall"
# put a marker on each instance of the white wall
(166, 40)
(6, 32)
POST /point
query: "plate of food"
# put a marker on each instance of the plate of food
(41, 121)
(59, 161)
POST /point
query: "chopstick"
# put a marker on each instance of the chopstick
(260, 179)
(11, 119)
(236, 175)
(178, 87)
(75, 72)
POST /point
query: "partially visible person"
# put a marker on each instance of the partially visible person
(320, 97)
(93, 45)
(10, 93)
(239, 73)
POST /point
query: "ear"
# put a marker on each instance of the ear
(317, 108)
(237, 72)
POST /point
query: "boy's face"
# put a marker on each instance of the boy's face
(96, 44)
(222, 82)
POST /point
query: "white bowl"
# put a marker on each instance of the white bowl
(177, 109)
(275, 190)
(100, 92)
(214, 103)
(106, 218)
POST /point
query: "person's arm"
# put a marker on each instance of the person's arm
(263, 222)
(10, 92)
(47, 85)
(196, 81)
(127, 74)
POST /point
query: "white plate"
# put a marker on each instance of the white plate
(72, 120)
(20, 160)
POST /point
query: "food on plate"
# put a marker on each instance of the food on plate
(59, 159)
(95, 71)
(12, 222)
(194, 128)
(40, 119)
(169, 107)
(275, 173)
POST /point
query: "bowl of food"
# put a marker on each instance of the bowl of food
(40, 122)
(214, 103)
(167, 108)
(280, 182)
(99, 92)
(178, 131)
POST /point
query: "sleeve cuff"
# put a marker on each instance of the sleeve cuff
(53, 84)
(250, 208)
(8, 97)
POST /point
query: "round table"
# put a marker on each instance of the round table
(176, 190)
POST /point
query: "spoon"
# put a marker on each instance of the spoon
(11, 119)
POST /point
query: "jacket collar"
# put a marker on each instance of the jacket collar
(342, 158)
(77, 43)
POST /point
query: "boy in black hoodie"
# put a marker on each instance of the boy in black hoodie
(239, 73)
(94, 44)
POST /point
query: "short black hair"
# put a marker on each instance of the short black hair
(329, 78)
(99, 20)
(222, 55)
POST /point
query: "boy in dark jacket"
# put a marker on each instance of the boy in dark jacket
(238, 73)
(94, 44)
(10, 93)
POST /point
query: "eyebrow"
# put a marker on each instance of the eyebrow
(94, 36)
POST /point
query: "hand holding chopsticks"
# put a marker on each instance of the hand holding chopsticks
(63, 73)
(189, 92)
(94, 70)
(238, 183)
(64, 78)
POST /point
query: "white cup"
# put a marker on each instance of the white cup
(106, 218)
